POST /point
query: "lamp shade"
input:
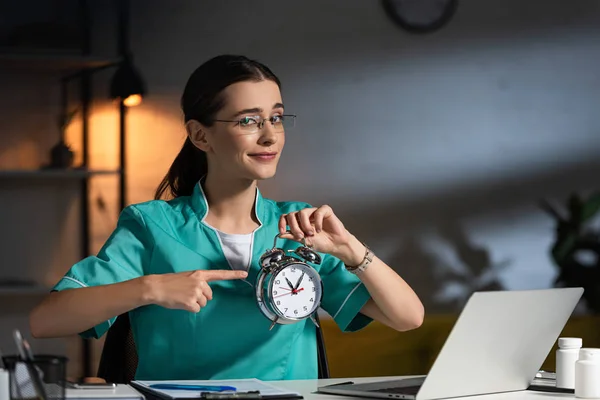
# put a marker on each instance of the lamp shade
(127, 84)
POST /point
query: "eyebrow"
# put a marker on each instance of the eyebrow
(256, 110)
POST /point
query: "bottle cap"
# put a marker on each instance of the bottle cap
(589, 354)
(569, 342)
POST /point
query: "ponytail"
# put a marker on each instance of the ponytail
(188, 167)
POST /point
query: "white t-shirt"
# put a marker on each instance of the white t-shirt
(237, 249)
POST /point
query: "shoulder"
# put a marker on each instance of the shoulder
(151, 207)
(285, 207)
(164, 213)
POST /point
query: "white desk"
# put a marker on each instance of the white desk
(308, 388)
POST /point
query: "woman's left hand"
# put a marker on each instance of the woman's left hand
(392, 302)
(323, 231)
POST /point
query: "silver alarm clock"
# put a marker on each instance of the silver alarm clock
(288, 289)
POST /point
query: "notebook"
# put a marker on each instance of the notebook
(244, 388)
(121, 392)
(22, 387)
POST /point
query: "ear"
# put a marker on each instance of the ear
(198, 135)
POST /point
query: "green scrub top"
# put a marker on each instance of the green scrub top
(230, 337)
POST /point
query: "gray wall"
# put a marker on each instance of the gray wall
(433, 149)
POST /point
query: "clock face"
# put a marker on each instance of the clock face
(296, 291)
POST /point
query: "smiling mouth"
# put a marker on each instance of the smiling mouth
(263, 156)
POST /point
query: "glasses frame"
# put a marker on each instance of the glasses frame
(260, 124)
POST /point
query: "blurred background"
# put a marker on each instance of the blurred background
(454, 137)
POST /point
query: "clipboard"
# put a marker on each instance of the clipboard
(246, 389)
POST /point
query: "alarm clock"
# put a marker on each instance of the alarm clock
(288, 289)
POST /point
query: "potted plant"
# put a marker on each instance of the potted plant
(576, 249)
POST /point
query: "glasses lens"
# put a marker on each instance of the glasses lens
(279, 124)
(248, 124)
(287, 122)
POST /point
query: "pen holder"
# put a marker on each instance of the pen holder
(48, 383)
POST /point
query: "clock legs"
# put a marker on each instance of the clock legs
(312, 318)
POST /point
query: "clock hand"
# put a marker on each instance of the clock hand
(299, 280)
(289, 283)
(288, 293)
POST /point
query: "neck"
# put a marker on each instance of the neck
(231, 204)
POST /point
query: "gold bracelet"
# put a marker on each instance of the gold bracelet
(367, 260)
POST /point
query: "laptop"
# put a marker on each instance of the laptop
(498, 344)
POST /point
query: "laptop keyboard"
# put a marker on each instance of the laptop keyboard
(399, 390)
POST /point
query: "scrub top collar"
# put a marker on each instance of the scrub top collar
(263, 236)
(200, 204)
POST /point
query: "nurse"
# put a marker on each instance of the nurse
(183, 265)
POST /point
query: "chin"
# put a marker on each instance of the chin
(262, 175)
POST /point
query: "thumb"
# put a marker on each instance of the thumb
(286, 235)
(306, 240)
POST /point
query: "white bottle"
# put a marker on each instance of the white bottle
(566, 356)
(4, 385)
(587, 374)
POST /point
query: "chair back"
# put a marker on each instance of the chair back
(119, 358)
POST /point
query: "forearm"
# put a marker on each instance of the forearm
(72, 311)
(394, 303)
(392, 297)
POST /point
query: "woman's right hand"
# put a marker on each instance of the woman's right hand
(185, 290)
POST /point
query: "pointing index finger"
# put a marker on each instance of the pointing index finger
(222, 275)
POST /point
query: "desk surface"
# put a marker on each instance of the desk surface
(309, 387)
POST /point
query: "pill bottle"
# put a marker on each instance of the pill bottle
(587, 374)
(566, 356)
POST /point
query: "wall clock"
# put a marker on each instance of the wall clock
(420, 16)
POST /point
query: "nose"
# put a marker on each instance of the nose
(268, 136)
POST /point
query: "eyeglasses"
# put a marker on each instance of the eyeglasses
(256, 123)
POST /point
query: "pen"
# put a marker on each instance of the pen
(253, 395)
(175, 386)
(27, 357)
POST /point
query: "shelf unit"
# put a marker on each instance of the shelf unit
(49, 62)
(54, 173)
(79, 67)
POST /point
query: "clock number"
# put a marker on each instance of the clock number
(314, 289)
(310, 279)
(286, 310)
(305, 308)
(311, 299)
(274, 291)
(295, 311)
(293, 269)
(277, 282)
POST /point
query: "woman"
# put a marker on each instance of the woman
(184, 269)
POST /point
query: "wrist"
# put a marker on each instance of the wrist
(352, 253)
(147, 289)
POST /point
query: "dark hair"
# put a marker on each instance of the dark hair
(201, 100)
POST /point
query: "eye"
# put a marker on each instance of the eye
(248, 121)
(277, 119)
